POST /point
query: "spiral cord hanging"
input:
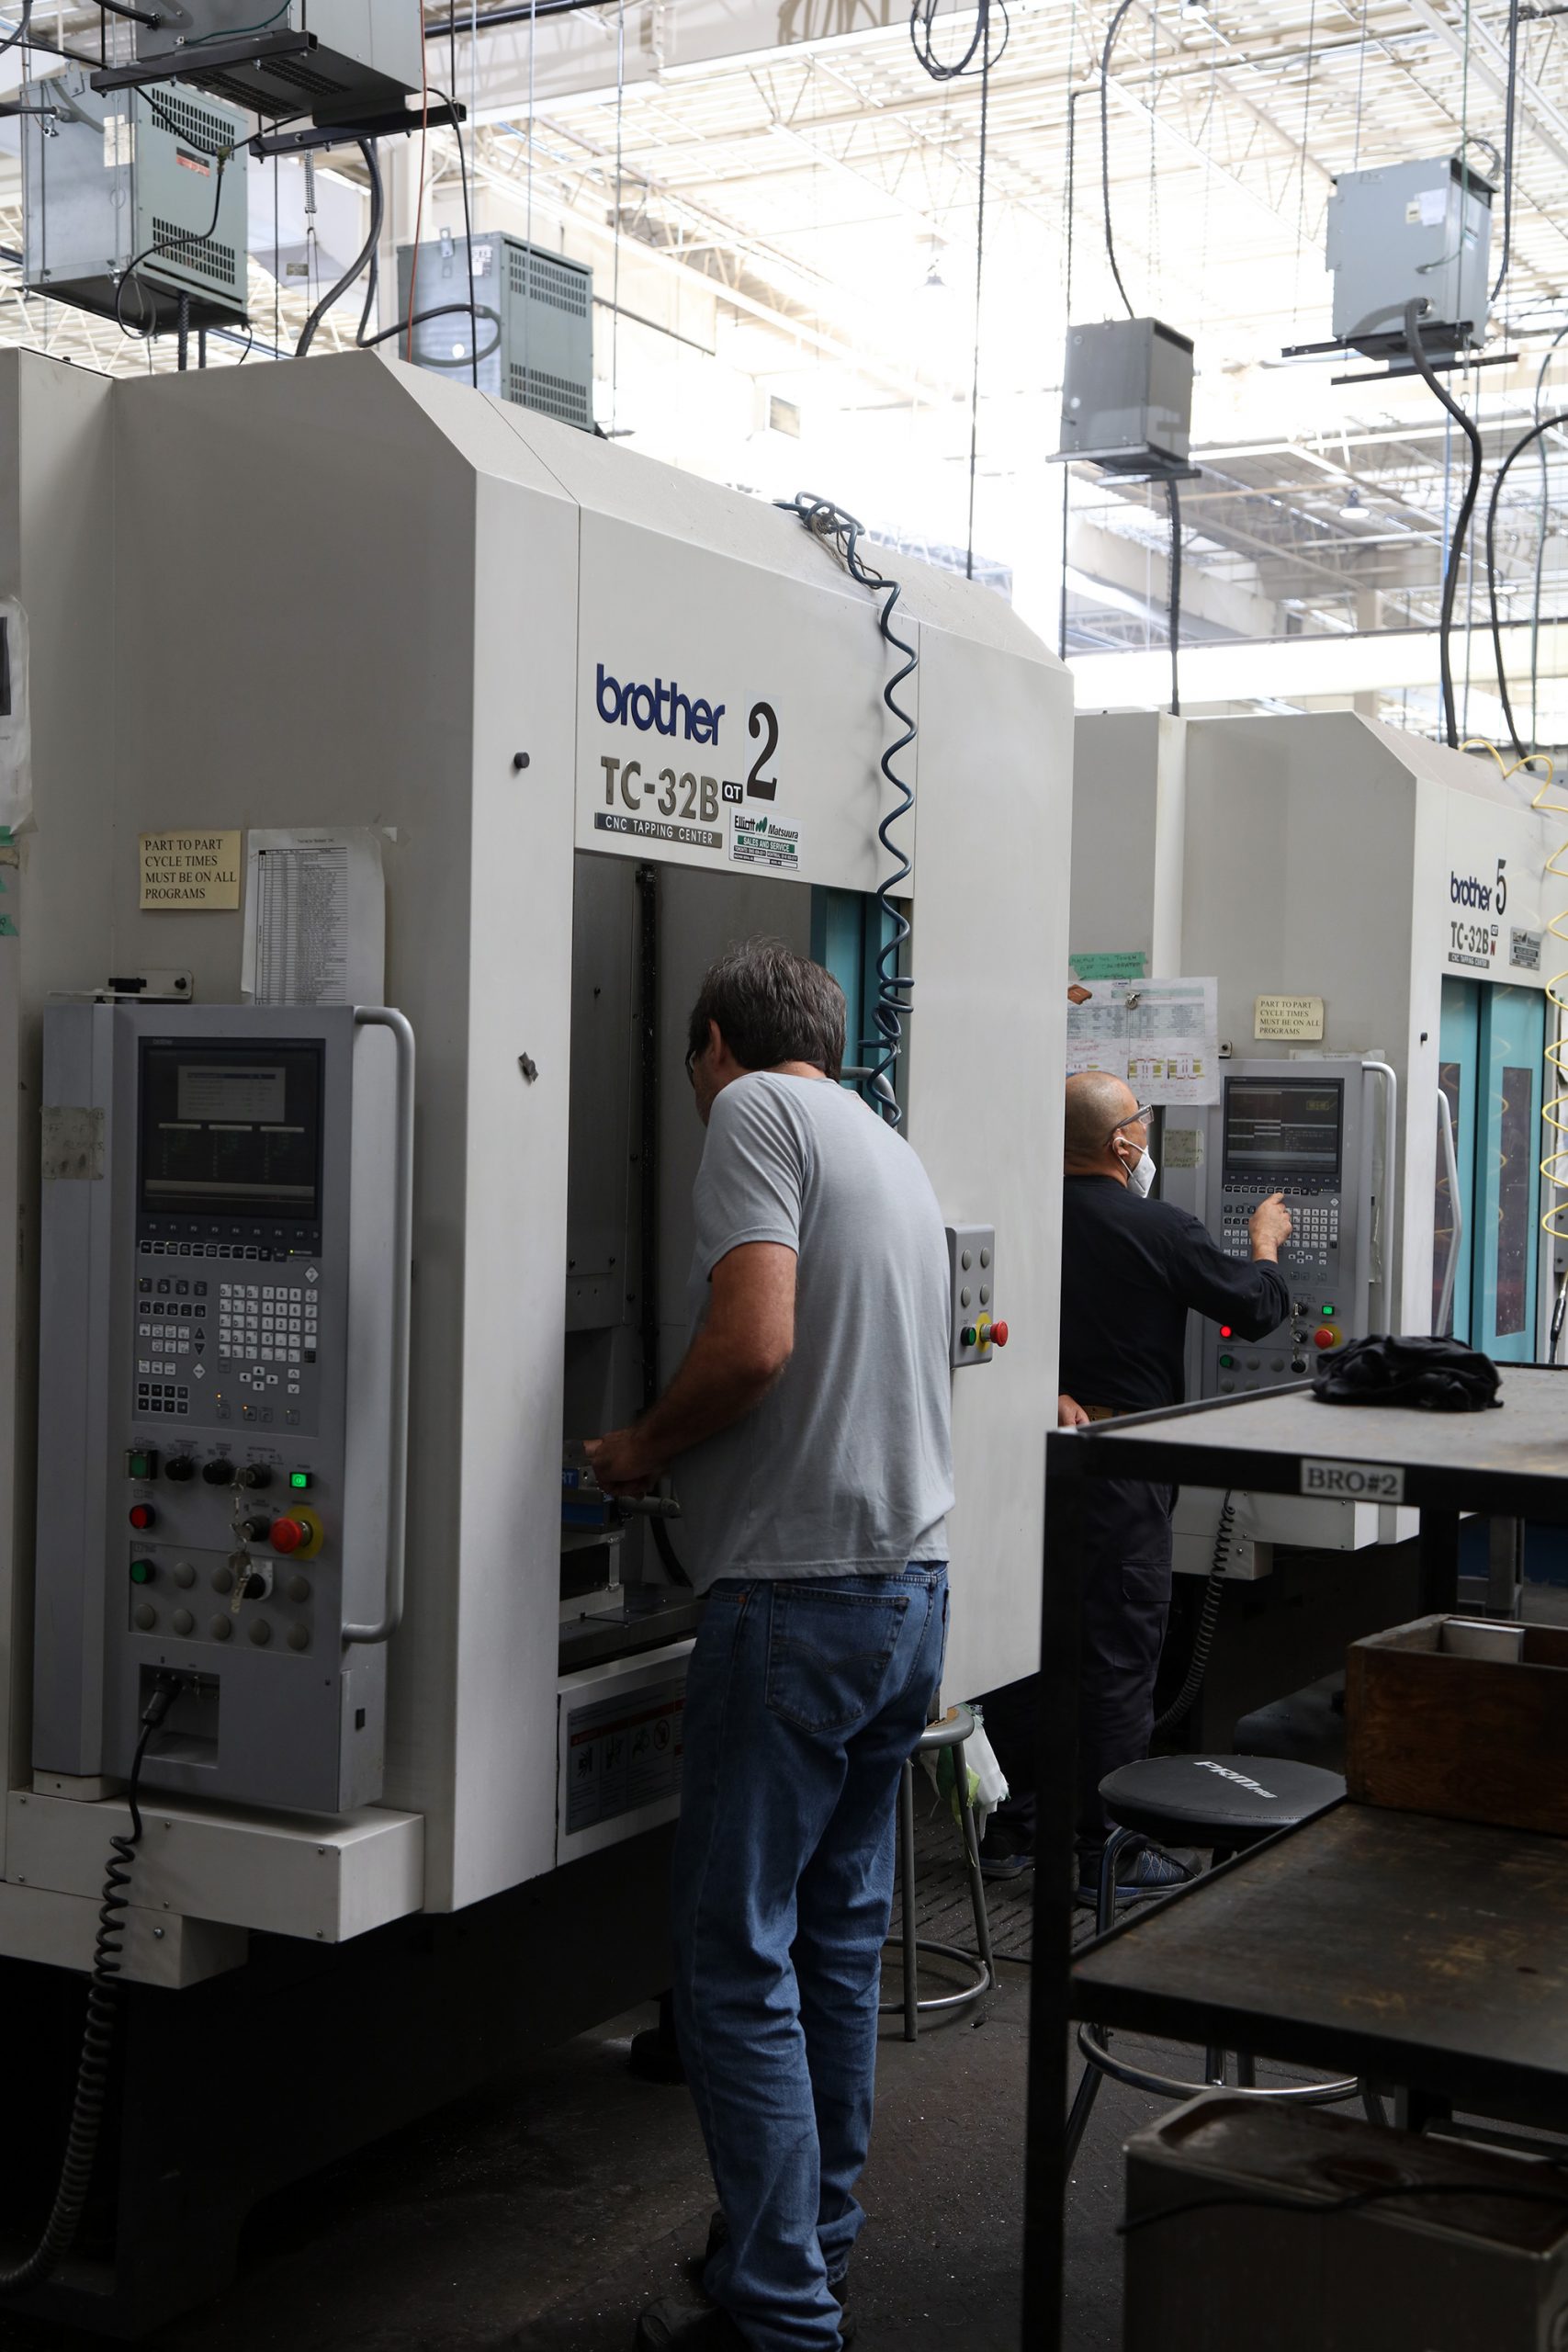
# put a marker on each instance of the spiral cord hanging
(895, 989)
(97, 2032)
(1186, 1697)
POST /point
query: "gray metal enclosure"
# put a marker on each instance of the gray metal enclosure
(540, 354)
(135, 177)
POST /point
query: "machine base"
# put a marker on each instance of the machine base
(229, 2091)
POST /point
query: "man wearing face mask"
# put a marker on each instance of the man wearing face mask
(1133, 1269)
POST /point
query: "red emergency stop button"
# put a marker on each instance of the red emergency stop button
(1323, 1338)
(142, 1515)
(998, 1335)
(288, 1535)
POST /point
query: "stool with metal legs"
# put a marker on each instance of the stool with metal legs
(953, 1731)
(1228, 1802)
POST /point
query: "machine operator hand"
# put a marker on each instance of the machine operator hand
(1070, 1414)
(1270, 1226)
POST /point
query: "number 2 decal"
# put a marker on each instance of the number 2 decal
(763, 721)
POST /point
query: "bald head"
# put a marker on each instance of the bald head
(1098, 1105)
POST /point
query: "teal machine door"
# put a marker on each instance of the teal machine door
(1486, 1256)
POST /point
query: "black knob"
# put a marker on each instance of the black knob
(255, 1474)
(252, 1530)
(183, 1466)
(218, 1473)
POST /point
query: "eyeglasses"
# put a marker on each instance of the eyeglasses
(1131, 1120)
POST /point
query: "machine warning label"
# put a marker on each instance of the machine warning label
(622, 1753)
(1354, 1482)
(763, 841)
(1524, 950)
(651, 829)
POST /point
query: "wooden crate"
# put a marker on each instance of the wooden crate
(1469, 1721)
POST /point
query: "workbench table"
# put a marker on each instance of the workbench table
(1433, 1954)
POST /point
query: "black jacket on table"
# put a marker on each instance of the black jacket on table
(1131, 1271)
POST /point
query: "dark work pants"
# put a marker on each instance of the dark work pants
(1124, 1564)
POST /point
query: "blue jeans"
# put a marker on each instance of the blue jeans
(803, 1702)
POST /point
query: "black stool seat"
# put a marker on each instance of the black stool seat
(1225, 1801)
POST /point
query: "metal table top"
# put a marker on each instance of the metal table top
(1425, 1952)
(1514, 1460)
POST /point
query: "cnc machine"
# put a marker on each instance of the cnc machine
(313, 1324)
(1375, 909)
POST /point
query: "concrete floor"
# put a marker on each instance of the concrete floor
(541, 2214)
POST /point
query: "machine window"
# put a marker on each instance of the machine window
(231, 1130)
(1283, 1131)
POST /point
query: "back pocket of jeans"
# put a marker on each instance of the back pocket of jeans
(829, 1654)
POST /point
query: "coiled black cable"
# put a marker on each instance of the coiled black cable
(922, 28)
(1186, 1697)
(1417, 351)
(1535, 433)
(894, 989)
(98, 2029)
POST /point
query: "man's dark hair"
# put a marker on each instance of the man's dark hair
(772, 1006)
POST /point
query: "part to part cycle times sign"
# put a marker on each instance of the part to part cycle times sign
(734, 720)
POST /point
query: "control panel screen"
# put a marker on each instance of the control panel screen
(1283, 1132)
(231, 1130)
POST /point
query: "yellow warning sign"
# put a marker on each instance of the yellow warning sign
(190, 872)
(1288, 1016)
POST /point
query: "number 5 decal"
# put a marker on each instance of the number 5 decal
(1502, 885)
(763, 721)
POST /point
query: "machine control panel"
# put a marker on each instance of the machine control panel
(216, 1382)
(977, 1329)
(1301, 1130)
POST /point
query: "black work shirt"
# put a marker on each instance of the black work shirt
(1130, 1270)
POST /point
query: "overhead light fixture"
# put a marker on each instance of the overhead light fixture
(1353, 511)
(1194, 12)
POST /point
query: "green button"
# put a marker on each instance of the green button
(968, 1335)
(299, 1480)
(141, 1571)
(1328, 1310)
(140, 1466)
(1227, 1363)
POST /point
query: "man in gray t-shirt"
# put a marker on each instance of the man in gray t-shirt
(808, 1431)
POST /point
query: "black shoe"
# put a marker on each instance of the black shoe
(1007, 1849)
(1140, 1872)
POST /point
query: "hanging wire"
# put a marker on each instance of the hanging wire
(1417, 350)
(1509, 112)
(615, 284)
(979, 288)
(1111, 30)
(1536, 434)
(922, 35)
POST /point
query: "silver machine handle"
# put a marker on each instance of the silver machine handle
(383, 1017)
(1389, 1081)
(1456, 1202)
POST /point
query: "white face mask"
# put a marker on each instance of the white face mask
(1141, 1174)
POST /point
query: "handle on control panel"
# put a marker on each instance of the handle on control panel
(379, 1016)
(1456, 1208)
(1384, 1274)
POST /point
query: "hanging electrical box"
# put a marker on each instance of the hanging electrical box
(534, 321)
(1410, 232)
(335, 60)
(1127, 397)
(149, 182)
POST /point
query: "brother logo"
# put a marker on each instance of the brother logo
(662, 707)
(1466, 891)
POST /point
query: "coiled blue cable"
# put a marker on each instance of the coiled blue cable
(895, 990)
